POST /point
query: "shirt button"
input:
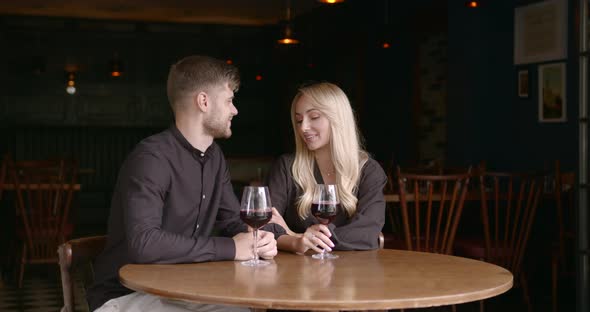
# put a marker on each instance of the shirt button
(197, 226)
(203, 196)
(202, 154)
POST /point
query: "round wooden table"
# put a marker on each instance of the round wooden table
(367, 280)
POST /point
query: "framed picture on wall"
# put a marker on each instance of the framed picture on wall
(540, 32)
(552, 96)
(523, 83)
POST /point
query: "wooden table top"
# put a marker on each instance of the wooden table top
(367, 280)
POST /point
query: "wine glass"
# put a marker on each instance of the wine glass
(324, 206)
(255, 211)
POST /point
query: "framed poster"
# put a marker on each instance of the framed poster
(523, 83)
(552, 93)
(540, 32)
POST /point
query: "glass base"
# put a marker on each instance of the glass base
(324, 255)
(255, 262)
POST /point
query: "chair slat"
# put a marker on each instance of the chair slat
(437, 202)
(508, 215)
(44, 191)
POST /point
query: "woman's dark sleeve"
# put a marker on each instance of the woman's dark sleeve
(279, 183)
(362, 232)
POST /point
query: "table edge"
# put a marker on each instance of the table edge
(327, 305)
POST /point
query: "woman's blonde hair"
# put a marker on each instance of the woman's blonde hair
(348, 155)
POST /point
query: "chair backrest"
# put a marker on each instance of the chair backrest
(431, 207)
(44, 194)
(75, 262)
(508, 205)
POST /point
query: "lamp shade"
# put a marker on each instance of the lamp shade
(116, 67)
(288, 36)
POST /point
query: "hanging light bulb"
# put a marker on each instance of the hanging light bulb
(116, 67)
(71, 83)
(385, 38)
(288, 38)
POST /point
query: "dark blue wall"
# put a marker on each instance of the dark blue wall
(486, 119)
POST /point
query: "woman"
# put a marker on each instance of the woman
(327, 151)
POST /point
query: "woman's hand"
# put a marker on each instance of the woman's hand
(278, 219)
(316, 237)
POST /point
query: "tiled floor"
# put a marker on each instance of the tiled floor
(41, 292)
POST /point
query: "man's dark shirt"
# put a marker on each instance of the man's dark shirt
(168, 199)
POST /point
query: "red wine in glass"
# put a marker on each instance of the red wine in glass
(324, 207)
(255, 210)
(325, 212)
(256, 218)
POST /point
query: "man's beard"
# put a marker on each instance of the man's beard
(217, 128)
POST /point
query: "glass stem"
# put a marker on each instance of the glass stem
(255, 247)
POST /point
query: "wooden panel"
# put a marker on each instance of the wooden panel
(46, 109)
(106, 109)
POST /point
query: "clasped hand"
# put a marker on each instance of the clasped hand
(317, 237)
(267, 245)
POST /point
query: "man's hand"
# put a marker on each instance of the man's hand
(267, 245)
(243, 243)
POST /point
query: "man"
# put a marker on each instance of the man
(174, 189)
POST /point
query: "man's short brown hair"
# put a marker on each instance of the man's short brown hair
(198, 73)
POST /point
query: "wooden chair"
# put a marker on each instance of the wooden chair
(431, 207)
(508, 205)
(44, 194)
(75, 258)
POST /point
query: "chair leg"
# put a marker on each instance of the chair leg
(481, 305)
(554, 266)
(389, 213)
(22, 266)
(525, 292)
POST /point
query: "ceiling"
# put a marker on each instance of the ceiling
(233, 12)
